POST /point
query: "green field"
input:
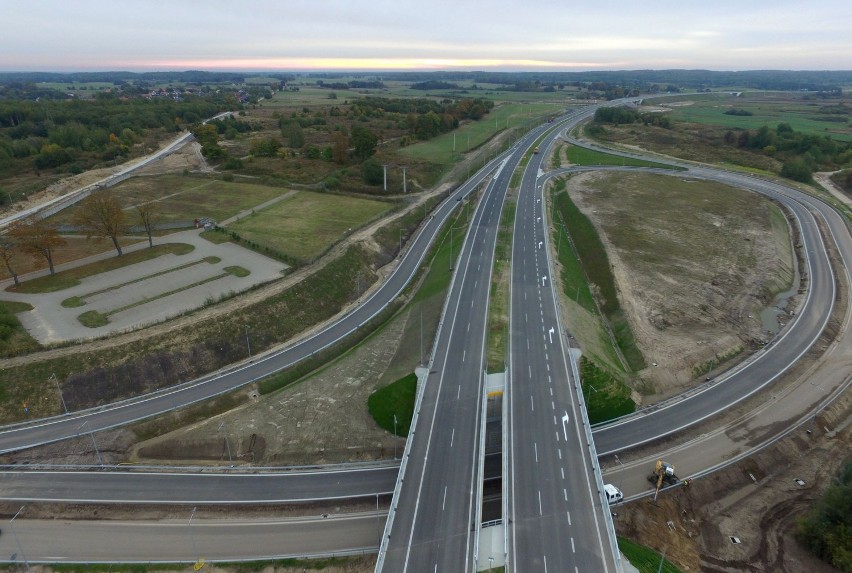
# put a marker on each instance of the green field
(582, 156)
(450, 147)
(306, 224)
(814, 117)
(185, 198)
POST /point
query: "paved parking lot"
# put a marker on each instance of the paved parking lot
(148, 292)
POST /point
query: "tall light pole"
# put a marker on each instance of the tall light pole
(248, 344)
(385, 186)
(94, 443)
(192, 536)
(404, 184)
(59, 389)
(17, 541)
(227, 444)
(621, 477)
(394, 436)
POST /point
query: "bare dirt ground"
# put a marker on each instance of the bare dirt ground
(692, 264)
(694, 524)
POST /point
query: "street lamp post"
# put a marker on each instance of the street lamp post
(227, 445)
(192, 536)
(59, 389)
(394, 436)
(94, 443)
(621, 477)
(248, 344)
(18, 541)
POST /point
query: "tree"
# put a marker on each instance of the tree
(372, 172)
(36, 237)
(364, 142)
(340, 148)
(148, 214)
(7, 253)
(101, 215)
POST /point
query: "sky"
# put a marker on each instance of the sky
(309, 35)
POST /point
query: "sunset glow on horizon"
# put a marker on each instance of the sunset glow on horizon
(55, 35)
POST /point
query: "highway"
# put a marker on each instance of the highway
(435, 511)
(189, 539)
(434, 516)
(782, 352)
(53, 429)
(555, 517)
(196, 488)
(622, 435)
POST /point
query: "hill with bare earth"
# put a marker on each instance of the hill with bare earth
(694, 263)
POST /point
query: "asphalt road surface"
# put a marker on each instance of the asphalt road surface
(187, 540)
(556, 522)
(196, 488)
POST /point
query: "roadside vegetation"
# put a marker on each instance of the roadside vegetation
(581, 156)
(791, 137)
(498, 304)
(603, 370)
(827, 529)
(645, 559)
(393, 406)
(595, 265)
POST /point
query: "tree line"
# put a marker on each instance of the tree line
(75, 135)
(98, 215)
(801, 154)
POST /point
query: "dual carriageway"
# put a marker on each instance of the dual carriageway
(556, 520)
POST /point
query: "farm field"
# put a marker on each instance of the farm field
(305, 224)
(185, 198)
(815, 117)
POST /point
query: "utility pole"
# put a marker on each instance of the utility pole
(248, 344)
(421, 337)
(404, 183)
(385, 168)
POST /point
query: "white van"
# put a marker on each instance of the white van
(613, 494)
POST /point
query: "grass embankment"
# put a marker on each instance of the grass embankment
(603, 372)
(645, 559)
(582, 156)
(392, 407)
(399, 396)
(595, 265)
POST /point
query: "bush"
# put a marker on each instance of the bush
(797, 170)
(827, 530)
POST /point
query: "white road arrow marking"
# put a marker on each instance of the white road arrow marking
(543, 280)
(550, 334)
(565, 420)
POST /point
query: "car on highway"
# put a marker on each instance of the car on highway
(613, 494)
